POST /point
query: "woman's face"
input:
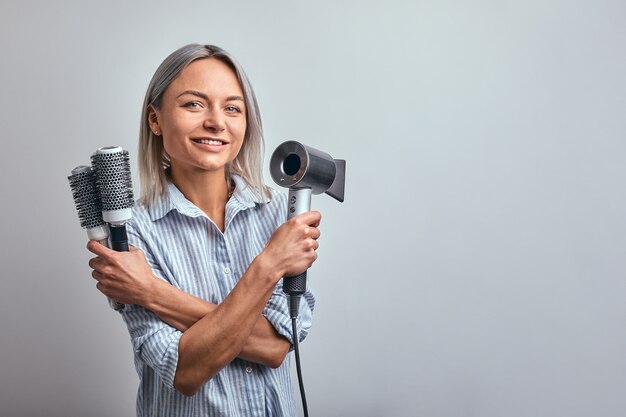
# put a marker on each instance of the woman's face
(202, 117)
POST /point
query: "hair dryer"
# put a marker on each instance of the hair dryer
(305, 171)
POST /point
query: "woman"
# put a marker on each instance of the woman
(202, 282)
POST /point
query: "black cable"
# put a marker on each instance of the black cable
(297, 353)
(294, 304)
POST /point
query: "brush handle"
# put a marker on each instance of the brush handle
(119, 243)
(119, 238)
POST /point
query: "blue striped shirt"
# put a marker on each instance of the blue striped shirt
(185, 248)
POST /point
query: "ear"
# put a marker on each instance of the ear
(153, 121)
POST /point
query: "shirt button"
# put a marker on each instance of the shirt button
(227, 270)
(249, 369)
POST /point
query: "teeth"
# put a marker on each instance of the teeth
(209, 141)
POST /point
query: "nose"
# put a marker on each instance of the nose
(214, 121)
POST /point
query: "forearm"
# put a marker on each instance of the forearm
(265, 345)
(182, 310)
(215, 340)
(176, 307)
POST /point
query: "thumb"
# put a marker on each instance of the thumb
(131, 248)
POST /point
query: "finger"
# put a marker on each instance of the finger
(312, 232)
(97, 248)
(96, 275)
(93, 262)
(312, 218)
(316, 218)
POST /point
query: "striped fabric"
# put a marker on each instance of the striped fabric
(186, 249)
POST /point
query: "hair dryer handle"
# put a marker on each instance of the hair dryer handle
(295, 287)
(298, 203)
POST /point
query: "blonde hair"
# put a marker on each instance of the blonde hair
(153, 161)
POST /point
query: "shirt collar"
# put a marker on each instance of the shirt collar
(245, 194)
(243, 197)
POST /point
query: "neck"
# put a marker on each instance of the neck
(208, 190)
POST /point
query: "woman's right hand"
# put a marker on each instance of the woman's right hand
(125, 277)
(291, 248)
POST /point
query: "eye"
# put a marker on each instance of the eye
(193, 105)
(233, 109)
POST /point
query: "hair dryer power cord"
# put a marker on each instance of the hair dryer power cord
(294, 303)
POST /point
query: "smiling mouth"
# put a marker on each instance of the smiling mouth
(209, 141)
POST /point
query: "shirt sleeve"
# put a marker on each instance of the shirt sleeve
(155, 342)
(277, 313)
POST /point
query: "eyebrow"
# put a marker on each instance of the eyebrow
(194, 93)
(205, 97)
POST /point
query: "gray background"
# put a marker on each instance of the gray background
(477, 267)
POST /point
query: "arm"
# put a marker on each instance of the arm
(218, 337)
(182, 310)
(271, 337)
(137, 284)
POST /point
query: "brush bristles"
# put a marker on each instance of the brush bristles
(83, 186)
(113, 180)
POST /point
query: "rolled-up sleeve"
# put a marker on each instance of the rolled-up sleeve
(277, 313)
(155, 342)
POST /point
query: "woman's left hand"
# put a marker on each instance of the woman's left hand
(125, 277)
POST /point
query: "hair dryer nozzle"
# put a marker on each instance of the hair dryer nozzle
(294, 165)
(337, 188)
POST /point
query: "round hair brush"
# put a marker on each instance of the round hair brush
(115, 187)
(83, 185)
